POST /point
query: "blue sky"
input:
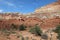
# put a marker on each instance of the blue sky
(23, 6)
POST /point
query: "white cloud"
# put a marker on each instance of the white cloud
(7, 3)
(1, 10)
(10, 4)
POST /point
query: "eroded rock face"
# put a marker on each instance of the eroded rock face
(54, 7)
(50, 10)
(31, 22)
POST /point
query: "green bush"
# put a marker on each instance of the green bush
(22, 27)
(57, 30)
(36, 30)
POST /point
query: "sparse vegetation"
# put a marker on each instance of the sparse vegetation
(36, 30)
(57, 30)
(22, 27)
(13, 27)
(5, 32)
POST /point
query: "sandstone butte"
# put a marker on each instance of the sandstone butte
(46, 17)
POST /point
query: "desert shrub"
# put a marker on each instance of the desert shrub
(22, 27)
(5, 32)
(36, 30)
(57, 30)
(13, 26)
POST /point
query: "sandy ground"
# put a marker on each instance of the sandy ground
(23, 35)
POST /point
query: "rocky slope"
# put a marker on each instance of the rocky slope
(50, 10)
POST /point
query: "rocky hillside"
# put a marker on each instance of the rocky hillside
(46, 17)
(50, 10)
